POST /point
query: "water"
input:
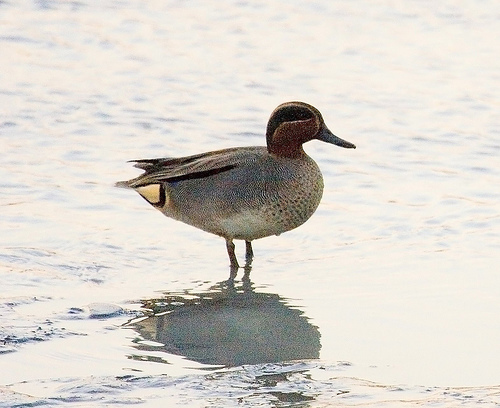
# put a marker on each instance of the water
(387, 296)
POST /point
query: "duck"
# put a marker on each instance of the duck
(243, 193)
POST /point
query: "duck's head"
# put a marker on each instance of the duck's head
(294, 123)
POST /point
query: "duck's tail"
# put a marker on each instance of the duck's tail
(122, 184)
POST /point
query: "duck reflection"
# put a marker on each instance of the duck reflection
(229, 325)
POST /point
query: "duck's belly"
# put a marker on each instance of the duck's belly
(248, 225)
(268, 220)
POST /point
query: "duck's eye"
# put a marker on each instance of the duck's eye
(293, 113)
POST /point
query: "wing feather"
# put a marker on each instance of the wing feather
(198, 166)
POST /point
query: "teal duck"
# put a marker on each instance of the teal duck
(243, 193)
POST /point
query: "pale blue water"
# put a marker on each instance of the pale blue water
(388, 296)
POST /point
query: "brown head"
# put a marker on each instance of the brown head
(294, 123)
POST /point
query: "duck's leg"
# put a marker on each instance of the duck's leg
(248, 261)
(249, 252)
(230, 252)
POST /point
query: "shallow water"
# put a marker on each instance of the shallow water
(387, 296)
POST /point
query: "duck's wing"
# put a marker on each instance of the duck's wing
(191, 167)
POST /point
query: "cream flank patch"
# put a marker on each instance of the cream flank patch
(151, 192)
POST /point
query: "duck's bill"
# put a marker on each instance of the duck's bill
(326, 136)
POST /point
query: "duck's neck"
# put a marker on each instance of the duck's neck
(290, 151)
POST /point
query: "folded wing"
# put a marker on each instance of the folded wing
(198, 166)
